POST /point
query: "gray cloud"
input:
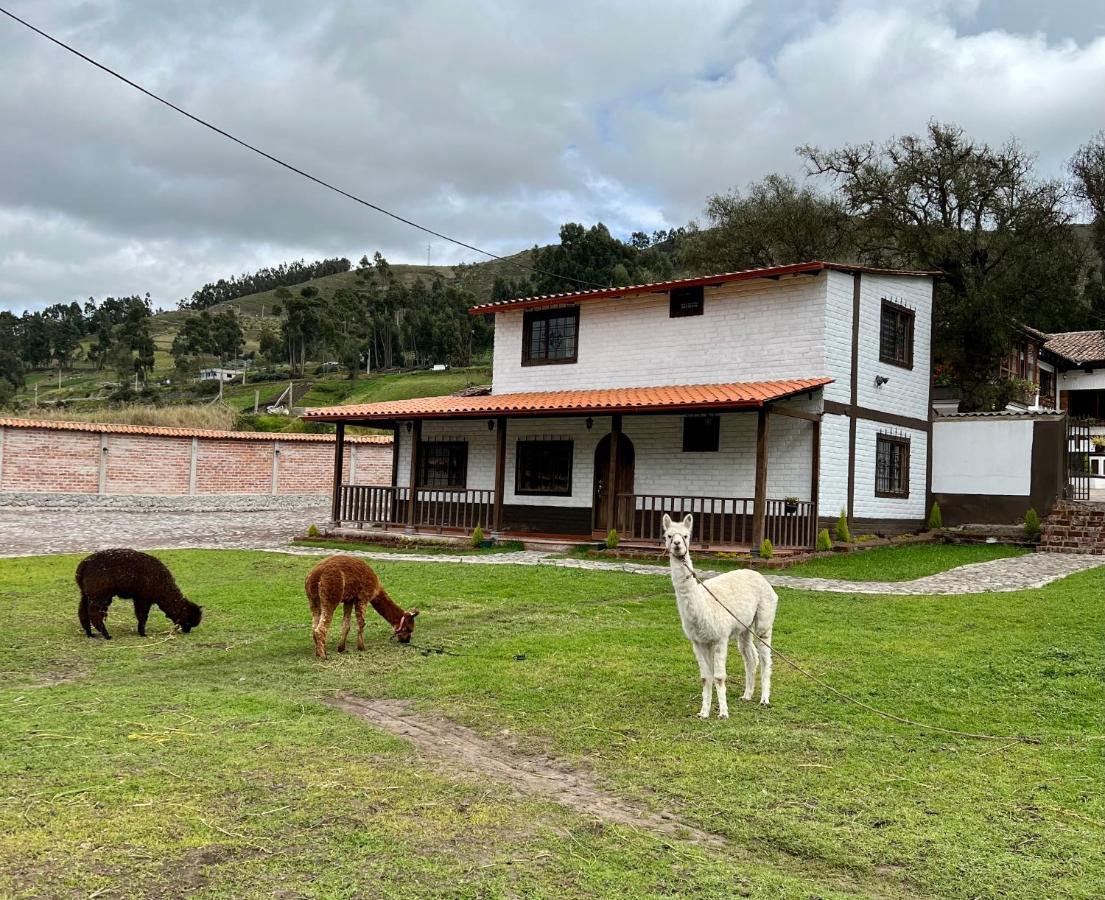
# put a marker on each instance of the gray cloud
(491, 121)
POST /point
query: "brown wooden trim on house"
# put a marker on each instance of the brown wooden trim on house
(551, 520)
(395, 455)
(835, 408)
(815, 469)
(759, 500)
(416, 441)
(500, 471)
(339, 464)
(557, 312)
(796, 413)
(612, 470)
(882, 527)
(853, 395)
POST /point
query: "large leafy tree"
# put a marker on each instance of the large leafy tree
(588, 257)
(999, 234)
(774, 223)
(1087, 168)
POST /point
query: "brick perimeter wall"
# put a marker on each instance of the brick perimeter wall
(49, 460)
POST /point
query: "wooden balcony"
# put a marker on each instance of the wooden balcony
(434, 509)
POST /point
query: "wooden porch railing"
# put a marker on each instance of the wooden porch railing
(719, 521)
(387, 507)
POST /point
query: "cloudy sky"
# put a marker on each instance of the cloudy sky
(490, 121)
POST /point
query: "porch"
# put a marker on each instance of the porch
(746, 468)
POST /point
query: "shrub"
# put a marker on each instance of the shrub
(936, 521)
(766, 550)
(477, 538)
(312, 531)
(612, 539)
(1031, 525)
(824, 542)
(842, 533)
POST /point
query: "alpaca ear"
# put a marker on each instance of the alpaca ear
(665, 522)
(413, 613)
(688, 521)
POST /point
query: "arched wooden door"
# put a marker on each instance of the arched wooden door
(623, 480)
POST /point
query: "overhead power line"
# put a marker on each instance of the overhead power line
(287, 165)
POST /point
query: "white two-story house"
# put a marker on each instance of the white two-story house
(764, 402)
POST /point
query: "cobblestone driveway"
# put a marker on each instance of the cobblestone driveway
(27, 532)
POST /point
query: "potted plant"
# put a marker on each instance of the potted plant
(791, 505)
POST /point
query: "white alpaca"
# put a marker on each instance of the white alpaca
(750, 599)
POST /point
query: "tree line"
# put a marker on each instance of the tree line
(115, 335)
(267, 279)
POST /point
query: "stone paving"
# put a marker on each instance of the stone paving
(31, 533)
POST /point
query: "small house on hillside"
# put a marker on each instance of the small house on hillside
(217, 374)
(763, 401)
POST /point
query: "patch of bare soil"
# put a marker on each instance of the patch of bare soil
(540, 776)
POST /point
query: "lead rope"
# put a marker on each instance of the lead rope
(1013, 739)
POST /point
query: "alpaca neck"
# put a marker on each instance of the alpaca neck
(388, 608)
(683, 580)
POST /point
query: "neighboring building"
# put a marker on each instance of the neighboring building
(220, 374)
(1079, 359)
(763, 401)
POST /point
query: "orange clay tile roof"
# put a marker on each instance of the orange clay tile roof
(158, 431)
(741, 395)
(1078, 346)
(656, 287)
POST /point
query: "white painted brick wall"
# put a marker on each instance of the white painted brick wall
(749, 331)
(838, 335)
(833, 496)
(867, 505)
(660, 465)
(907, 391)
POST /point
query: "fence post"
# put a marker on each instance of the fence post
(759, 501)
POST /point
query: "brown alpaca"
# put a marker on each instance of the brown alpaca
(132, 576)
(346, 580)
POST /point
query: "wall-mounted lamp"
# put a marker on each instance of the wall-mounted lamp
(880, 380)
(490, 424)
(590, 423)
(410, 424)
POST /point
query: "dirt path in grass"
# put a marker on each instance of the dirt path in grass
(539, 776)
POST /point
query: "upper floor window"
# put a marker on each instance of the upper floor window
(896, 335)
(685, 301)
(443, 465)
(701, 434)
(550, 336)
(891, 466)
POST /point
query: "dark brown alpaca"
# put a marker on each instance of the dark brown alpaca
(346, 580)
(132, 576)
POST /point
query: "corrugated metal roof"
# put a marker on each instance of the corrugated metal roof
(806, 268)
(158, 431)
(739, 395)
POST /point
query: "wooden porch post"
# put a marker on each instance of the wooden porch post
(339, 462)
(612, 471)
(759, 502)
(500, 473)
(412, 495)
(815, 477)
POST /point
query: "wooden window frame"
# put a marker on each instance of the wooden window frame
(424, 451)
(531, 492)
(711, 422)
(543, 315)
(677, 297)
(911, 317)
(904, 443)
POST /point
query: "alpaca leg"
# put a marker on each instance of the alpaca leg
(720, 654)
(748, 654)
(97, 612)
(82, 614)
(321, 630)
(360, 608)
(705, 670)
(346, 621)
(764, 649)
(142, 613)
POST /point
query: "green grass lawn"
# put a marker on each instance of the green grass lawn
(901, 563)
(205, 765)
